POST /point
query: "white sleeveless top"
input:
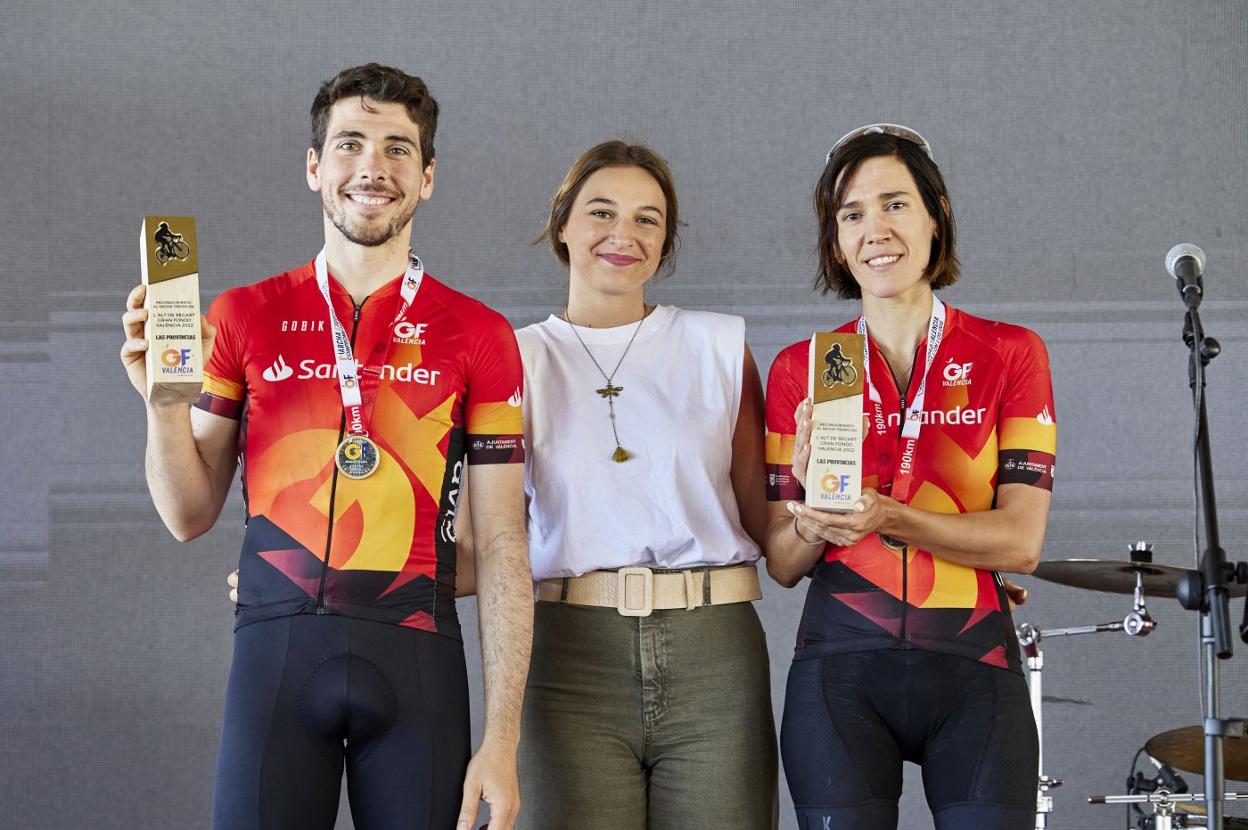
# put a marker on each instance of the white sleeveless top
(671, 505)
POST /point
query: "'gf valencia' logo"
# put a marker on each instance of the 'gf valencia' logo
(957, 374)
(410, 334)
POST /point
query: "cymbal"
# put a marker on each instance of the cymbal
(1185, 748)
(1118, 577)
(1228, 822)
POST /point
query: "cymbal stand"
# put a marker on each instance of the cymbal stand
(1137, 624)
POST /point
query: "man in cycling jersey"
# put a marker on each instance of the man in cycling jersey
(365, 386)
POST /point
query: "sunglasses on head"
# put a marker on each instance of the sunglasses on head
(882, 129)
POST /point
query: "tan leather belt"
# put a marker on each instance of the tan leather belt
(635, 592)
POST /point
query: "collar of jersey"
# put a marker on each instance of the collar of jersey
(386, 291)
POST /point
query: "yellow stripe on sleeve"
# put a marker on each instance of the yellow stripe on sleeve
(778, 448)
(223, 388)
(495, 419)
(1028, 434)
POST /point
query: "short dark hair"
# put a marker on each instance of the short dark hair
(613, 154)
(385, 85)
(942, 269)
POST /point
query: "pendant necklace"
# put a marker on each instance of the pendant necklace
(610, 391)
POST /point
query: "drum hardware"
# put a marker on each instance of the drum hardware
(1188, 748)
(1138, 623)
(1166, 779)
(1116, 577)
(1166, 807)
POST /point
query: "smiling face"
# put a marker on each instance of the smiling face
(884, 232)
(615, 231)
(370, 173)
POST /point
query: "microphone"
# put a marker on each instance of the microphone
(1186, 263)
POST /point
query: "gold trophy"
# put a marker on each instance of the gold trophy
(834, 474)
(175, 351)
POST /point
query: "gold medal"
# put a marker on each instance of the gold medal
(892, 542)
(357, 456)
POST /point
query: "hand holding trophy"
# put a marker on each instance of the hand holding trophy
(167, 340)
(834, 471)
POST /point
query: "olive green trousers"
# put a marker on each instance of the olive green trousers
(648, 723)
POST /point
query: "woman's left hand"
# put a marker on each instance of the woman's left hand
(871, 513)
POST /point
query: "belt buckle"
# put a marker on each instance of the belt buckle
(622, 604)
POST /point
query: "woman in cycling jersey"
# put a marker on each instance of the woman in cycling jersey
(906, 650)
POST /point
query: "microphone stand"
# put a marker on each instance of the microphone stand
(1206, 589)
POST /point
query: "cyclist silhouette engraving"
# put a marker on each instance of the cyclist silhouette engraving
(169, 245)
(840, 368)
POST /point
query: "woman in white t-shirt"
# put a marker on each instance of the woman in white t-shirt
(648, 703)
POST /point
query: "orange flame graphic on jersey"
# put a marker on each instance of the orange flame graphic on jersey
(374, 518)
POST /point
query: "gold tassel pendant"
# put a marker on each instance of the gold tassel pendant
(620, 455)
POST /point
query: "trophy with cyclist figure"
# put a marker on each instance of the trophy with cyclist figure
(834, 474)
(175, 353)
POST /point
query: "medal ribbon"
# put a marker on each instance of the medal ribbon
(344, 358)
(902, 477)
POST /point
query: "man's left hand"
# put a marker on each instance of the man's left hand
(491, 778)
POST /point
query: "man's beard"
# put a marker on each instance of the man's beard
(369, 237)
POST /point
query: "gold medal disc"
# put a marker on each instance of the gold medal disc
(357, 456)
(891, 542)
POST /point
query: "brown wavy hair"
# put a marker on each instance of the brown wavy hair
(942, 269)
(613, 154)
(385, 85)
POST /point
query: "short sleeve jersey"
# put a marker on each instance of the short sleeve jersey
(443, 384)
(988, 421)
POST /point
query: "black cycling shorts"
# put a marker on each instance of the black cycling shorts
(850, 720)
(308, 693)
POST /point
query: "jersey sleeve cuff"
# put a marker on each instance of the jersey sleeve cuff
(1026, 467)
(495, 449)
(218, 405)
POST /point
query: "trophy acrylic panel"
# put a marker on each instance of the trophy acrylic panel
(834, 474)
(175, 353)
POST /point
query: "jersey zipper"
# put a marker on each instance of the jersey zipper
(902, 642)
(333, 486)
(905, 564)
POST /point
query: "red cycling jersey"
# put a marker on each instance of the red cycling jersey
(450, 387)
(988, 420)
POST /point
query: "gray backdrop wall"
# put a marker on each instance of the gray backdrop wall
(1080, 140)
